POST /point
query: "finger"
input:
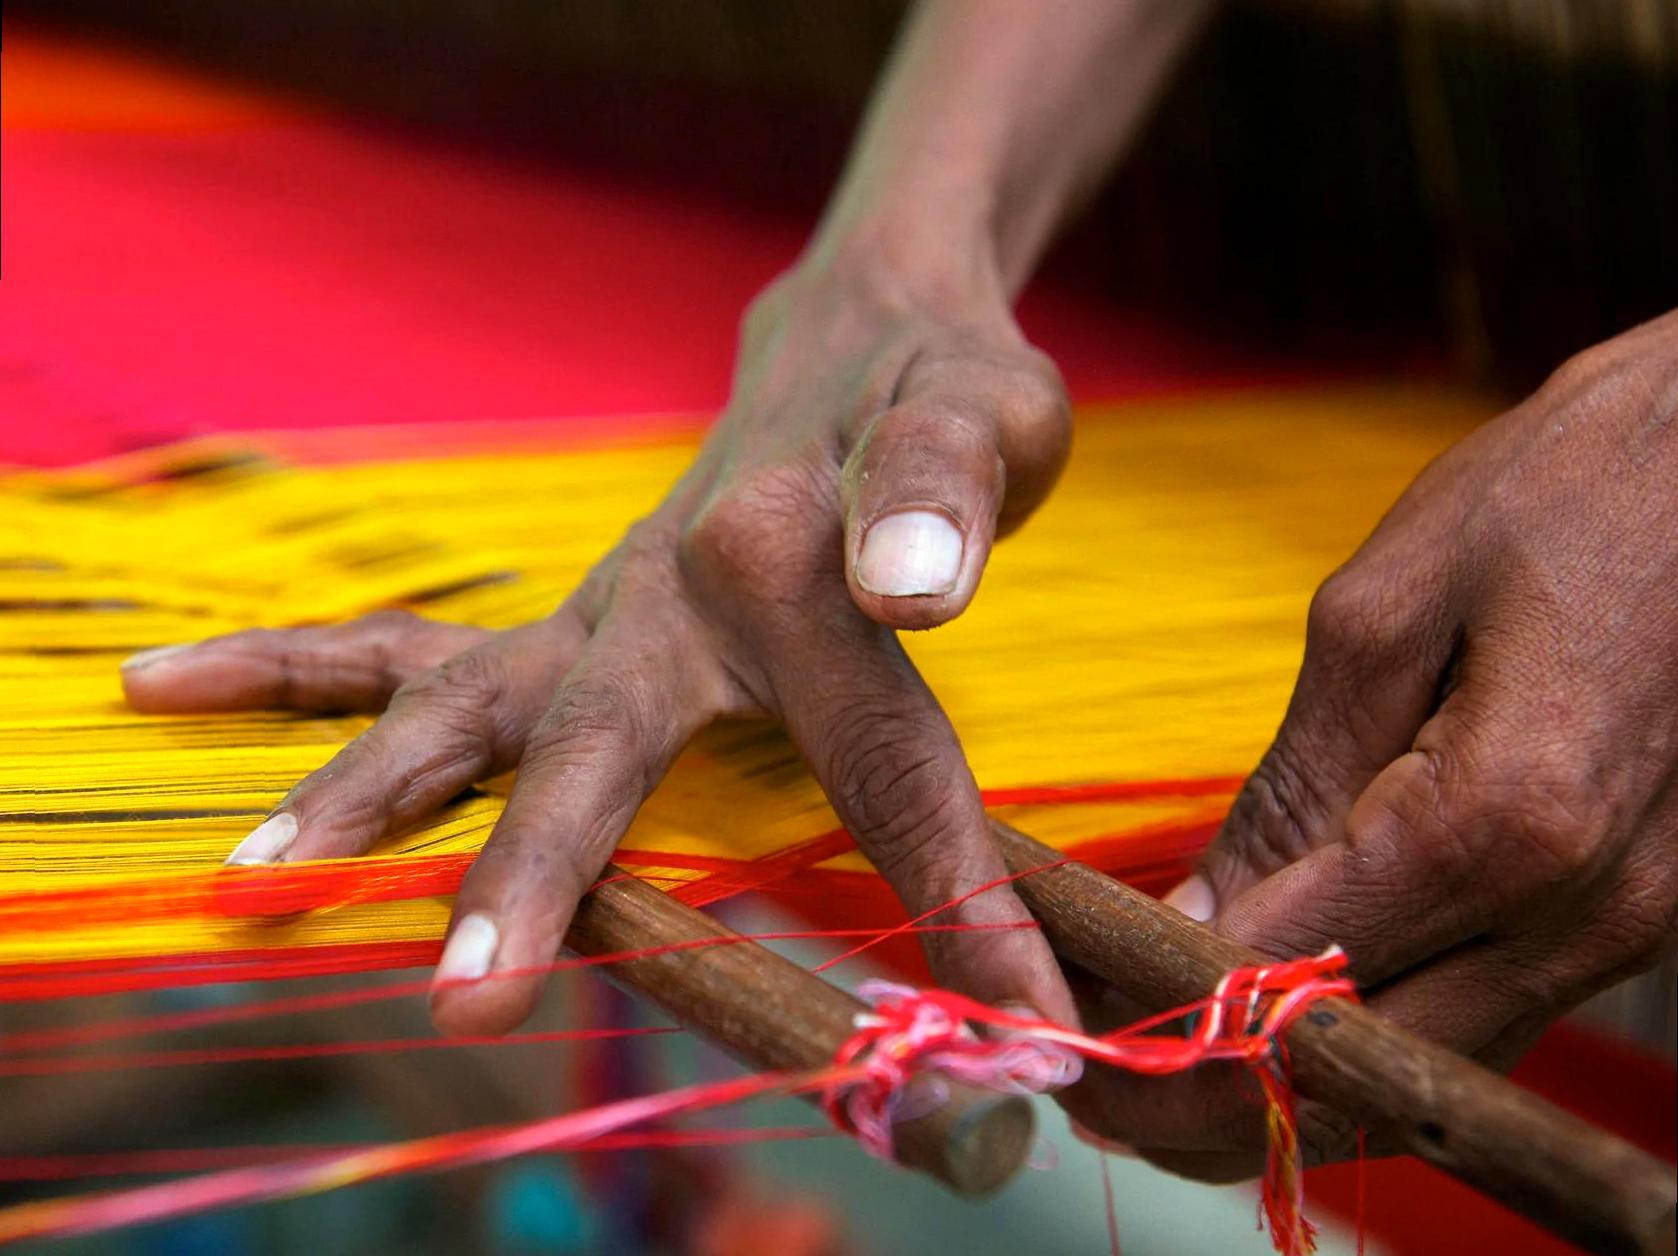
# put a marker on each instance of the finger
(621, 714)
(927, 481)
(1373, 658)
(1468, 998)
(1491, 998)
(1493, 814)
(894, 771)
(445, 730)
(354, 666)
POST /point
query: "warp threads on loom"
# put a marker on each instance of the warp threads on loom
(908, 1033)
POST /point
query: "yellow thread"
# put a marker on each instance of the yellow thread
(1146, 625)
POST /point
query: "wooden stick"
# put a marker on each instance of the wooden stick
(1573, 1179)
(775, 1015)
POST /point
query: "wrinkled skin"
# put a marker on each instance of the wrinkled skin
(745, 593)
(1472, 790)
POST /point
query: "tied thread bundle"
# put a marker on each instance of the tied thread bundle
(912, 1033)
(885, 1070)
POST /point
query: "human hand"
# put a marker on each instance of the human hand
(1473, 789)
(877, 440)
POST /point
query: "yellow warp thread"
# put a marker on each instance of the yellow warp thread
(1147, 624)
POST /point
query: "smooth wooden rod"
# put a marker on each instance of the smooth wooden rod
(1573, 1179)
(774, 1015)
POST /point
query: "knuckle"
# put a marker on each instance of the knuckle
(765, 311)
(1273, 817)
(758, 533)
(1617, 372)
(273, 643)
(380, 638)
(469, 683)
(1586, 368)
(1352, 619)
(517, 853)
(295, 665)
(340, 793)
(1033, 422)
(641, 564)
(1529, 986)
(602, 703)
(601, 718)
(449, 763)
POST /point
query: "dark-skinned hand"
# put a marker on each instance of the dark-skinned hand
(876, 442)
(1475, 788)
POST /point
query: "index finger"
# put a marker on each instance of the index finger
(628, 705)
(893, 769)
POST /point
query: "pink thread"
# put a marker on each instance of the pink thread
(911, 1031)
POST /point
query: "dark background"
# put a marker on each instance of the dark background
(1497, 178)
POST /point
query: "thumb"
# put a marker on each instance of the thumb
(926, 481)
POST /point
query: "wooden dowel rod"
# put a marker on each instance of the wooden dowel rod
(774, 1015)
(1575, 1180)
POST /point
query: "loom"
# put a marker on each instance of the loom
(116, 823)
(1109, 709)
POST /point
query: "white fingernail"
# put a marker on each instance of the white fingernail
(471, 949)
(145, 658)
(1194, 899)
(267, 841)
(911, 554)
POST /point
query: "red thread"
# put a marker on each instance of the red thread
(49, 1039)
(1243, 1020)
(1363, 1175)
(766, 871)
(1151, 853)
(865, 1088)
(910, 925)
(60, 1168)
(87, 1214)
(290, 889)
(1107, 1195)
(54, 1065)
(154, 972)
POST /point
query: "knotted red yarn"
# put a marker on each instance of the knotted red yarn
(914, 1032)
(909, 1035)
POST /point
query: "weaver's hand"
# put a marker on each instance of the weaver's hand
(875, 444)
(1473, 790)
